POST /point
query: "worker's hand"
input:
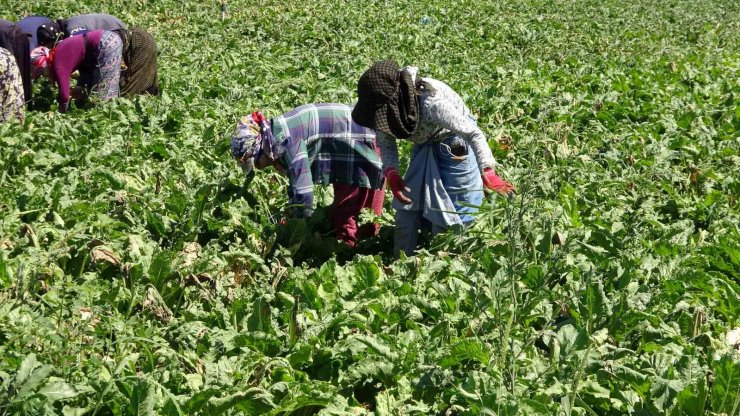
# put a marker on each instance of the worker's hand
(294, 213)
(78, 93)
(495, 183)
(397, 185)
(63, 107)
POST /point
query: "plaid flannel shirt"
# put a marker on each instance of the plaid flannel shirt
(322, 145)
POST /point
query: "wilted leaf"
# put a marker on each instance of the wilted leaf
(105, 255)
(154, 303)
(190, 253)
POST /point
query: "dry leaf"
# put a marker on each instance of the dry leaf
(95, 243)
(505, 142)
(85, 313)
(190, 253)
(200, 277)
(154, 303)
(105, 254)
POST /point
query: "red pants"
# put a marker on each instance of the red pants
(348, 202)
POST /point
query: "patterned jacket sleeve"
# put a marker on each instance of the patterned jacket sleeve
(298, 169)
(444, 113)
(388, 150)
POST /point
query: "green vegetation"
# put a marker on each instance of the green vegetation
(138, 276)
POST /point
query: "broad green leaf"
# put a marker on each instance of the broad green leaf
(693, 399)
(465, 350)
(161, 267)
(259, 341)
(726, 387)
(253, 401)
(27, 366)
(143, 398)
(57, 389)
(260, 318)
(30, 375)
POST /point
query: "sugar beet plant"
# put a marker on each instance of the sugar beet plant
(139, 275)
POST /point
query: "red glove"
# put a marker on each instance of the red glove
(397, 185)
(495, 183)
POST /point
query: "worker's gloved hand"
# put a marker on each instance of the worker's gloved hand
(397, 185)
(64, 107)
(495, 183)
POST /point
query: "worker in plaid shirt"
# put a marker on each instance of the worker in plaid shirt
(317, 144)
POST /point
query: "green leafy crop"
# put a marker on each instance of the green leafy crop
(139, 275)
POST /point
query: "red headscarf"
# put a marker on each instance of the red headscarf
(41, 59)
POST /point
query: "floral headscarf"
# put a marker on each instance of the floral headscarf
(252, 137)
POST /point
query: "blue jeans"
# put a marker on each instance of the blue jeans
(461, 179)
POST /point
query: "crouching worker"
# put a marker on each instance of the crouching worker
(97, 57)
(140, 58)
(11, 88)
(450, 161)
(317, 144)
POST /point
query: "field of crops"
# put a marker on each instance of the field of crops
(139, 276)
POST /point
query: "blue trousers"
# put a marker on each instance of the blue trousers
(460, 176)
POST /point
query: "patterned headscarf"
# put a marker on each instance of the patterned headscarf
(41, 58)
(252, 137)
